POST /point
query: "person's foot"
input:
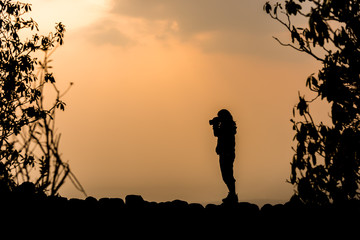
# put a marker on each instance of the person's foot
(231, 198)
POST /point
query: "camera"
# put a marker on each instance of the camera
(214, 121)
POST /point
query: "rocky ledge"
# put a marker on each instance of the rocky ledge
(136, 217)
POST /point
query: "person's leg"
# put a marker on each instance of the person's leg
(231, 186)
(226, 167)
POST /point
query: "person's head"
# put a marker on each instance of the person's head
(225, 115)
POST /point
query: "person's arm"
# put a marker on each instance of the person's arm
(216, 129)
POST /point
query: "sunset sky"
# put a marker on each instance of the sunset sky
(149, 74)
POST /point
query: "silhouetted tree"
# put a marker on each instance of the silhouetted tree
(21, 104)
(326, 163)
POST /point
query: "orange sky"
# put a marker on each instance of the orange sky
(148, 75)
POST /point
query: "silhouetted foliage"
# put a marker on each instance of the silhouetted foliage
(25, 124)
(326, 163)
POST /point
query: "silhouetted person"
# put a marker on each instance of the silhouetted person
(225, 129)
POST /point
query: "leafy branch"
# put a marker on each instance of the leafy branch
(29, 143)
(326, 164)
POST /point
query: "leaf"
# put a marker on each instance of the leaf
(312, 148)
(292, 7)
(313, 157)
(295, 35)
(302, 106)
(267, 7)
(61, 105)
(30, 111)
(293, 171)
(49, 77)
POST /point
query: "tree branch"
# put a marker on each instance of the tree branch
(308, 51)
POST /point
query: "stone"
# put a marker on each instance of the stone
(134, 201)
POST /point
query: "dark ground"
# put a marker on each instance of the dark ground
(29, 214)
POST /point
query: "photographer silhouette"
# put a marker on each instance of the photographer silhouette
(224, 129)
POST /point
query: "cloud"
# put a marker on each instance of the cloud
(107, 32)
(111, 36)
(231, 26)
(200, 15)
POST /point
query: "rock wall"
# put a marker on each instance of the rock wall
(26, 212)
